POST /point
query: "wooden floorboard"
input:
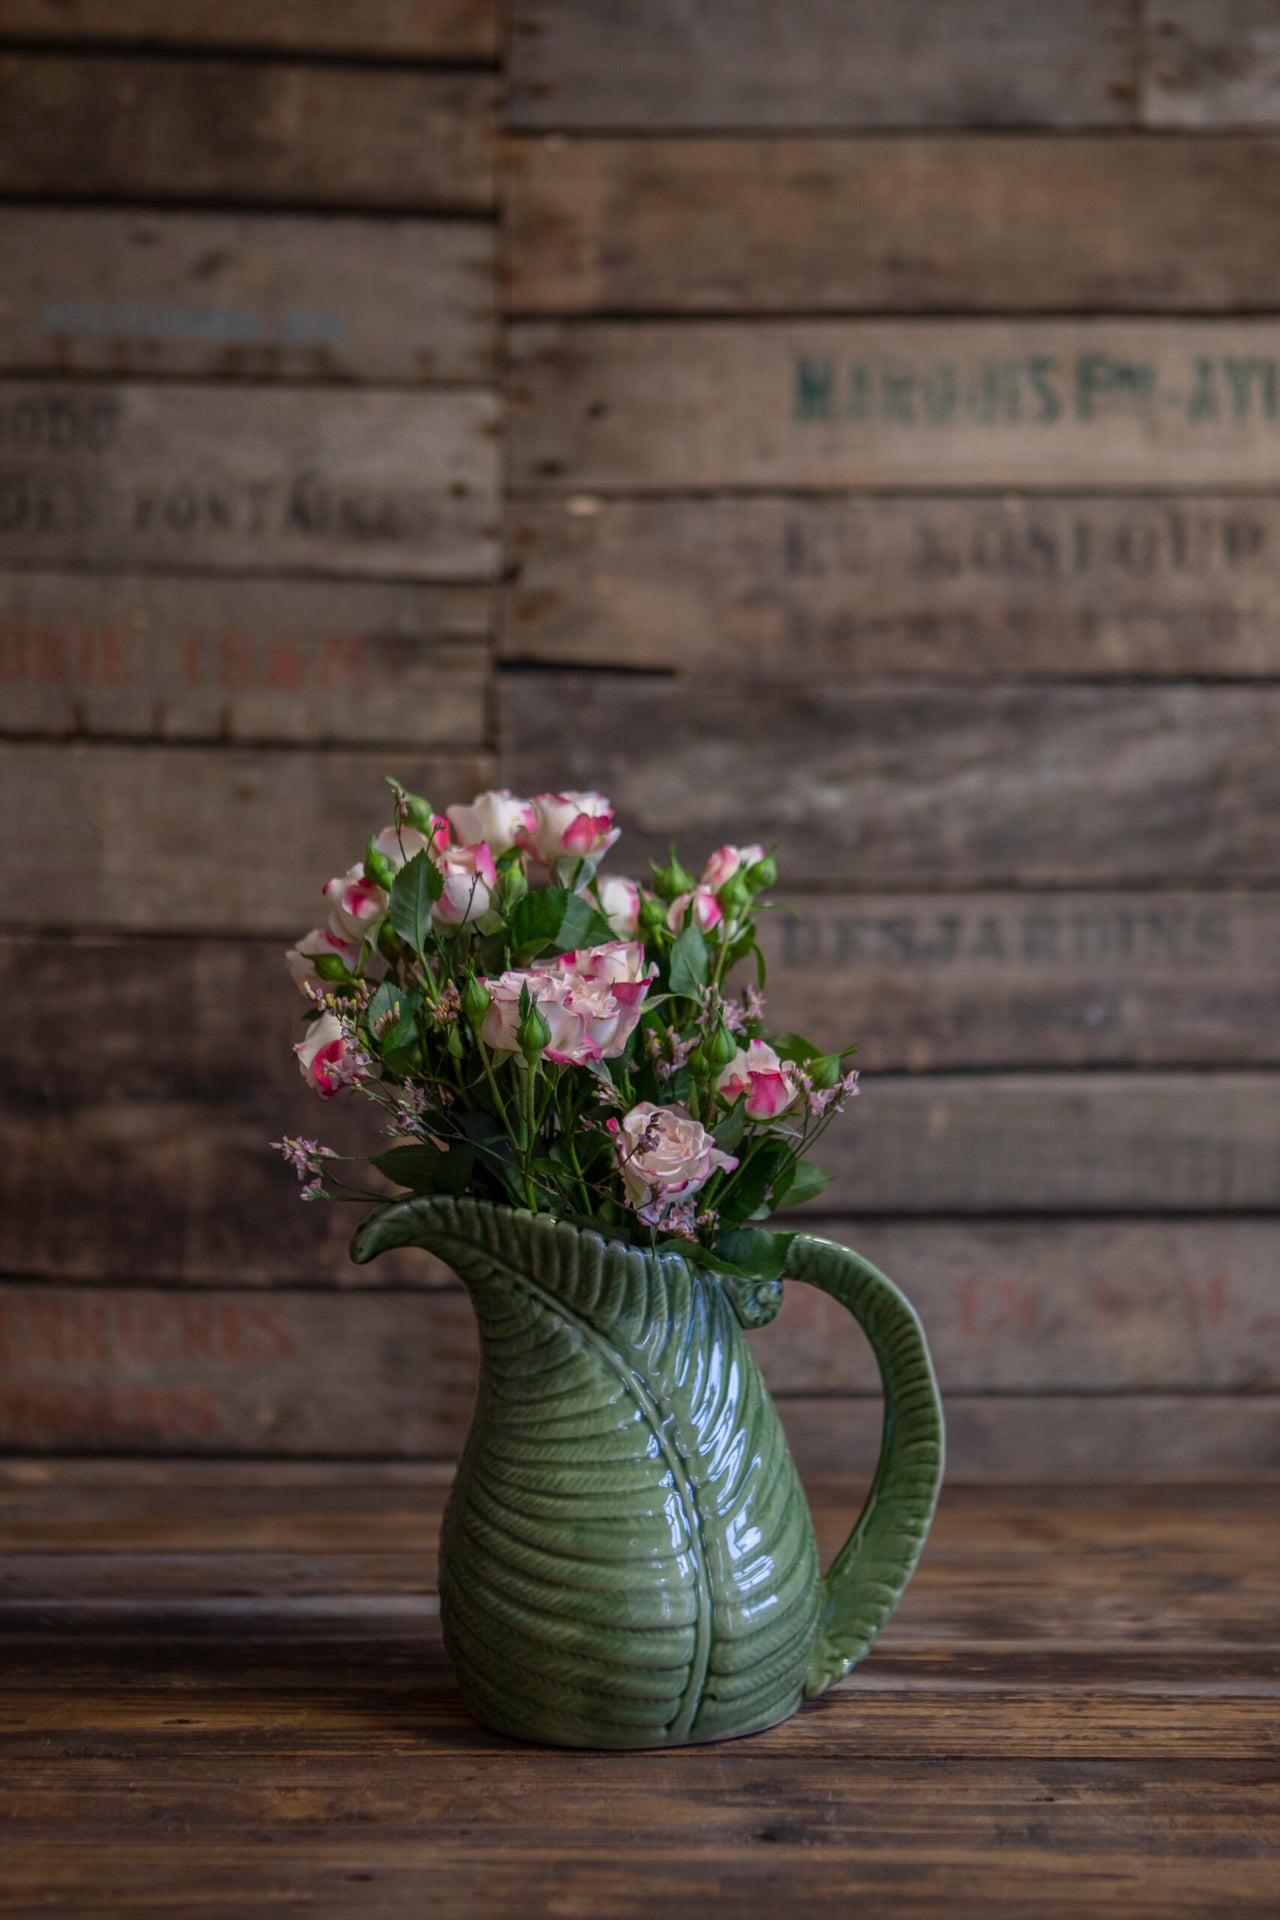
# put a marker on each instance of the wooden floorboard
(223, 1691)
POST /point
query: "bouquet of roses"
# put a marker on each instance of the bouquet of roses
(544, 1035)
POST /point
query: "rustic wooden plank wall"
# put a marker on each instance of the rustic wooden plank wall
(249, 529)
(894, 392)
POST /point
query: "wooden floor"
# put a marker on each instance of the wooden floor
(222, 1691)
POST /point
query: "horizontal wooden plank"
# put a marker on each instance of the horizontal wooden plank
(977, 224)
(98, 818)
(238, 659)
(1150, 1307)
(1019, 1144)
(1058, 1143)
(147, 1156)
(292, 1372)
(79, 1503)
(122, 127)
(1210, 66)
(877, 784)
(121, 1158)
(1156, 1305)
(96, 290)
(1062, 1436)
(956, 587)
(1175, 1842)
(1029, 979)
(248, 480)
(818, 63)
(451, 29)
(680, 406)
(919, 1722)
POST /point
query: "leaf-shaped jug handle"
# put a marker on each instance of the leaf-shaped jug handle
(867, 1576)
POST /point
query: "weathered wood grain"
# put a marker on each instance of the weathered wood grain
(449, 29)
(1113, 1311)
(922, 1722)
(976, 224)
(1143, 1436)
(1192, 1841)
(1215, 66)
(299, 1372)
(290, 1372)
(1058, 1143)
(271, 1719)
(225, 840)
(79, 1503)
(1066, 1306)
(122, 127)
(877, 784)
(243, 659)
(1029, 979)
(1173, 1838)
(1020, 1144)
(819, 63)
(956, 587)
(246, 479)
(231, 295)
(144, 1156)
(679, 406)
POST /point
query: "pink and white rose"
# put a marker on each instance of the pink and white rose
(325, 1056)
(619, 903)
(665, 1156)
(357, 908)
(569, 826)
(769, 1083)
(591, 1016)
(726, 861)
(497, 818)
(323, 940)
(620, 964)
(400, 844)
(469, 882)
(707, 911)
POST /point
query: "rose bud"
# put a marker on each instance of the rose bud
(469, 880)
(320, 946)
(569, 826)
(534, 1035)
(768, 1082)
(495, 817)
(620, 904)
(725, 862)
(476, 1001)
(323, 1055)
(715, 1050)
(706, 908)
(673, 879)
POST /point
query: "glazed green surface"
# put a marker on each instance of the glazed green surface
(627, 1557)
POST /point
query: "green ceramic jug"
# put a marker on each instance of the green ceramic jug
(627, 1558)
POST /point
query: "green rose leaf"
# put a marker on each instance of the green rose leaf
(753, 1254)
(556, 919)
(425, 1169)
(806, 1183)
(689, 963)
(750, 1188)
(729, 1133)
(414, 891)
